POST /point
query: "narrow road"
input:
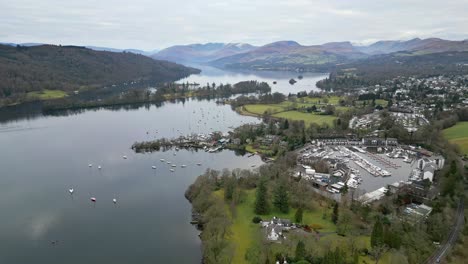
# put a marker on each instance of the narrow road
(452, 238)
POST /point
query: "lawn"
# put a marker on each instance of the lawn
(308, 118)
(244, 232)
(46, 94)
(458, 135)
(259, 109)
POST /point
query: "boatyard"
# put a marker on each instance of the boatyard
(356, 166)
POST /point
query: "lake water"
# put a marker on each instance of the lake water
(41, 157)
(211, 74)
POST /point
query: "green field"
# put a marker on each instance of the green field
(259, 109)
(308, 118)
(458, 135)
(46, 94)
(244, 232)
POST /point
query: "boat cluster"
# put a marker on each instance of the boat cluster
(172, 165)
(400, 153)
(354, 179)
(368, 166)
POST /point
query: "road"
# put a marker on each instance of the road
(452, 238)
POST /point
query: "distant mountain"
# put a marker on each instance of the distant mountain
(200, 53)
(416, 46)
(21, 44)
(291, 55)
(24, 69)
(135, 51)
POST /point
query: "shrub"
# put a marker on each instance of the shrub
(256, 219)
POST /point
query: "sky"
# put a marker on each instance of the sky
(156, 24)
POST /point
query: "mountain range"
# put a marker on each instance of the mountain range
(292, 55)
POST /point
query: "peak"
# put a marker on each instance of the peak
(284, 43)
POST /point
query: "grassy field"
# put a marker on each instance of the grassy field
(308, 118)
(259, 109)
(46, 94)
(244, 232)
(458, 135)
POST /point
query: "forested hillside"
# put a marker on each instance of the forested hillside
(69, 68)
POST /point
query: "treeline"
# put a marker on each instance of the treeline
(70, 68)
(168, 91)
(269, 98)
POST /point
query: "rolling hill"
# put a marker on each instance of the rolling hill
(200, 53)
(69, 68)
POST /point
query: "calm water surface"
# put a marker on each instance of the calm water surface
(211, 74)
(42, 157)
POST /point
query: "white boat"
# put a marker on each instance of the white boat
(168, 162)
(71, 190)
(124, 157)
(99, 167)
(172, 170)
(153, 167)
(386, 173)
(183, 166)
(114, 201)
(90, 165)
(162, 160)
(173, 165)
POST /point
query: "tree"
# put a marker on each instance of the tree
(378, 251)
(344, 221)
(229, 188)
(281, 198)
(298, 215)
(334, 216)
(300, 251)
(377, 238)
(261, 201)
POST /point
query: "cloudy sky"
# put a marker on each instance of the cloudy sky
(155, 24)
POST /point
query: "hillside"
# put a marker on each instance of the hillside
(69, 68)
(416, 46)
(291, 55)
(199, 53)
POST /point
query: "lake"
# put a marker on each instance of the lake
(41, 157)
(210, 74)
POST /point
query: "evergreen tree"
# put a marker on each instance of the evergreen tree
(261, 201)
(298, 215)
(300, 251)
(377, 234)
(229, 188)
(281, 198)
(334, 216)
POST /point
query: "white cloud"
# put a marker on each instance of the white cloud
(149, 24)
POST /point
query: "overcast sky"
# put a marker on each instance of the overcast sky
(155, 24)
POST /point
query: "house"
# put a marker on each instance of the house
(236, 141)
(274, 228)
(428, 172)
